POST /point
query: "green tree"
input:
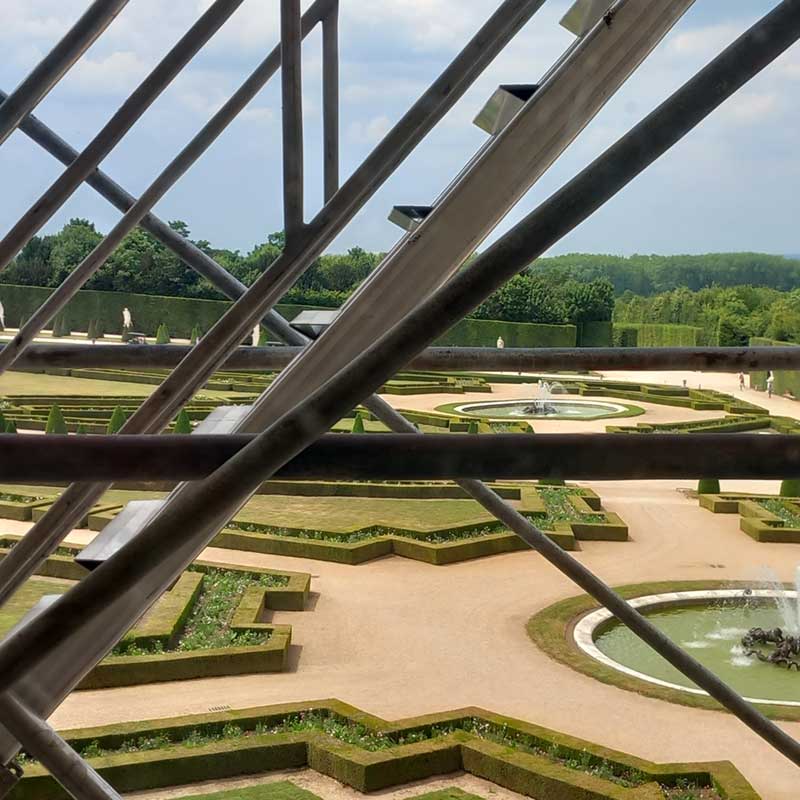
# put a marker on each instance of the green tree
(55, 421)
(70, 246)
(358, 424)
(182, 422)
(91, 333)
(11, 426)
(473, 426)
(81, 429)
(118, 419)
(196, 334)
(3, 422)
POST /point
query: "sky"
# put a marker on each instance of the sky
(730, 185)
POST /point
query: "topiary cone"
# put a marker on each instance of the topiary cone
(118, 419)
(11, 426)
(708, 486)
(182, 423)
(55, 421)
(358, 424)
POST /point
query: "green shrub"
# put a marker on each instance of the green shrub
(55, 421)
(473, 426)
(58, 326)
(99, 329)
(790, 488)
(596, 334)
(639, 335)
(2, 422)
(81, 429)
(196, 334)
(91, 333)
(118, 419)
(11, 426)
(358, 424)
(162, 334)
(183, 423)
(708, 486)
(126, 334)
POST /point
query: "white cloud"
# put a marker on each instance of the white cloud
(370, 131)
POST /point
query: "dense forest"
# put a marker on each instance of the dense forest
(732, 296)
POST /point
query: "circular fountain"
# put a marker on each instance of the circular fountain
(750, 639)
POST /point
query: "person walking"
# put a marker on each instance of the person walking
(770, 383)
(741, 381)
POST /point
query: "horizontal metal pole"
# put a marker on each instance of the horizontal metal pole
(26, 458)
(435, 359)
(49, 71)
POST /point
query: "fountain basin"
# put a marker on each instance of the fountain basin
(707, 623)
(544, 408)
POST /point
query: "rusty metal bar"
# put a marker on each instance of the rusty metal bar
(434, 359)
(26, 458)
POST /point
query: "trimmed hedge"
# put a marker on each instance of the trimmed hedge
(596, 334)
(484, 333)
(148, 311)
(754, 519)
(645, 335)
(519, 756)
(786, 381)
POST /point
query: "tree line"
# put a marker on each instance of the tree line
(142, 265)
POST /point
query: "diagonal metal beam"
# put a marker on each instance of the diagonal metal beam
(49, 71)
(193, 372)
(115, 129)
(45, 745)
(169, 543)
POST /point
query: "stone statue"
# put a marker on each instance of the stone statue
(500, 343)
(256, 335)
(127, 319)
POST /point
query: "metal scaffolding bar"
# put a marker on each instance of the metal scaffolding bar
(49, 71)
(45, 745)
(597, 456)
(167, 543)
(292, 94)
(193, 372)
(434, 359)
(479, 198)
(330, 101)
(115, 129)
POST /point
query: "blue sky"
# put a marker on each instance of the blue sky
(731, 185)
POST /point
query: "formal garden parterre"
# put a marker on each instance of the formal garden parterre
(370, 754)
(210, 624)
(764, 518)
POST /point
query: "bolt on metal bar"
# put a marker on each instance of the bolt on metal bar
(44, 744)
(116, 128)
(29, 459)
(330, 101)
(168, 541)
(212, 350)
(434, 359)
(292, 94)
(49, 71)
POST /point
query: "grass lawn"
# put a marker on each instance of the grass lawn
(12, 383)
(346, 513)
(26, 598)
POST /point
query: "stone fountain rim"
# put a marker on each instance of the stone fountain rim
(583, 633)
(617, 408)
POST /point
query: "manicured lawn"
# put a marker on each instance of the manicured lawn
(26, 598)
(345, 513)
